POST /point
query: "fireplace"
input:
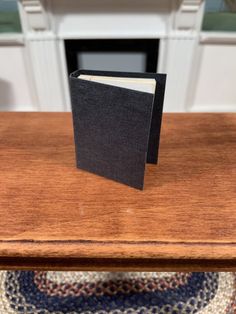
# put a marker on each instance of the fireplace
(132, 55)
(151, 35)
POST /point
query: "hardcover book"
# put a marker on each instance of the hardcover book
(117, 122)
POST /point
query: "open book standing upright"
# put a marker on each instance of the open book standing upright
(117, 122)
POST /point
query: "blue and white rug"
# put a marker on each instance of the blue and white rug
(29, 292)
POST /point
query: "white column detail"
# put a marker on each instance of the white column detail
(181, 53)
(188, 15)
(43, 54)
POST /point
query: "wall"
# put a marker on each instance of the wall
(14, 86)
(216, 79)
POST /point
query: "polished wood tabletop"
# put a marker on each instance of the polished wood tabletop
(54, 216)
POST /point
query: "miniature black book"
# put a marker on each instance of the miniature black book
(117, 122)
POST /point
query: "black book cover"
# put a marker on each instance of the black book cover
(116, 129)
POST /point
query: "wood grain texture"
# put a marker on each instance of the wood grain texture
(54, 216)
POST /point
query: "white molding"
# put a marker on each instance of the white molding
(183, 34)
(190, 5)
(47, 76)
(43, 60)
(35, 14)
(218, 38)
(214, 108)
(172, 34)
(188, 15)
(64, 75)
(110, 19)
(40, 36)
(178, 66)
(117, 35)
(12, 39)
(31, 78)
(51, 17)
(162, 55)
(193, 77)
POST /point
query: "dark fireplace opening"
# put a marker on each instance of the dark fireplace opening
(130, 55)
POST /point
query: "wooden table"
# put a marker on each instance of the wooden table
(54, 216)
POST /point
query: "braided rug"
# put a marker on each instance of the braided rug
(37, 292)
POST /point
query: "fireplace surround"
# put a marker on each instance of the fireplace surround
(49, 25)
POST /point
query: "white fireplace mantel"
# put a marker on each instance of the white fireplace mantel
(47, 23)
